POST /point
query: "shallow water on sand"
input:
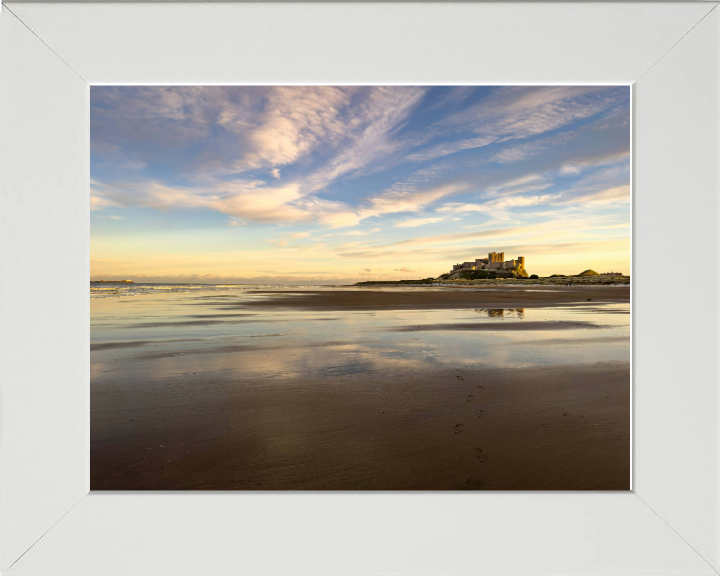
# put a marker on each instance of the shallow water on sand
(165, 334)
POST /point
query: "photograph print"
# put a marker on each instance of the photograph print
(414, 288)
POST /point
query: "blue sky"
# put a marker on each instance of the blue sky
(324, 184)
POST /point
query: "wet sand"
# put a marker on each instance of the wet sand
(217, 418)
(553, 429)
(439, 298)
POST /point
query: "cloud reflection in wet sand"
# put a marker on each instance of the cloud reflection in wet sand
(318, 344)
(294, 379)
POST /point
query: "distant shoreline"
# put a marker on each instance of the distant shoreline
(598, 280)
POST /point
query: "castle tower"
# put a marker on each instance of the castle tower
(521, 261)
(502, 257)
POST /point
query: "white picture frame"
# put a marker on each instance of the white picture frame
(50, 53)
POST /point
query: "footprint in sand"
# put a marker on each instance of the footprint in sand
(478, 413)
(479, 456)
(459, 428)
(481, 388)
(461, 378)
(470, 397)
(470, 482)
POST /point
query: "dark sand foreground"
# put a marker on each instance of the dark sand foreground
(554, 429)
(436, 427)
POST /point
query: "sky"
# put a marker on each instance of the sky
(339, 184)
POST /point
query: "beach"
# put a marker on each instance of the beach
(373, 388)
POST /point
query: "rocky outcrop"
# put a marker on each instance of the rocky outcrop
(485, 274)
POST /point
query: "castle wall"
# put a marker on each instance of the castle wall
(494, 261)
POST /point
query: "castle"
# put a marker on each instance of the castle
(494, 261)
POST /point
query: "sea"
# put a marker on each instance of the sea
(116, 289)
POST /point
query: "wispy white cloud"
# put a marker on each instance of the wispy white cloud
(368, 133)
(447, 148)
(278, 126)
(522, 111)
(292, 122)
(398, 200)
(455, 237)
(500, 207)
(614, 195)
(515, 113)
(98, 202)
(500, 204)
(578, 165)
(415, 222)
(113, 153)
(392, 201)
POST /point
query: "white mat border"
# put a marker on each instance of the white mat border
(48, 56)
